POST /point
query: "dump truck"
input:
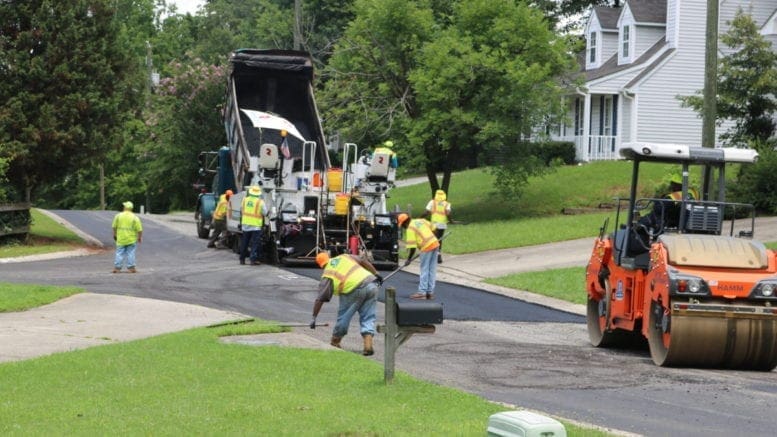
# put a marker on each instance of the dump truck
(685, 274)
(275, 141)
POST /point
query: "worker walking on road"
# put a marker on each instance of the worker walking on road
(127, 233)
(252, 212)
(419, 234)
(356, 281)
(219, 223)
(438, 211)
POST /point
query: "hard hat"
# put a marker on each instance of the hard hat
(255, 191)
(401, 218)
(388, 144)
(322, 258)
(676, 179)
(283, 132)
(128, 205)
(228, 192)
(440, 195)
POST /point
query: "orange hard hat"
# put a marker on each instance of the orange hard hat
(401, 218)
(322, 258)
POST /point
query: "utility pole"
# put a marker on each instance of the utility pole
(297, 24)
(710, 88)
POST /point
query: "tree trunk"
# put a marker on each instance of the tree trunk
(431, 174)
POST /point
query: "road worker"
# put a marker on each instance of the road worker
(356, 281)
(419, 234)
(219, 222)
(127, 233)
(438, 211)
(253, 211)
(386, 148)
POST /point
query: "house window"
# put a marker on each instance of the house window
(592, 48)
(626, 33)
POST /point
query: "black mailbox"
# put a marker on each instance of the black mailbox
(419, 313)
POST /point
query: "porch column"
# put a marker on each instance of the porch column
(586, 146)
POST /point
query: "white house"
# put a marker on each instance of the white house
(638, 59)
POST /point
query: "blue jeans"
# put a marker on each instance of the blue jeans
(254, 238)
(125, 252)
(428, 271)
(363, 300)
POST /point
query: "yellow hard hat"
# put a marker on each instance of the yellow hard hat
(128, 205)
(255, 191)
(322, 258)
(440, 195)
(388, 144)
(401, 218)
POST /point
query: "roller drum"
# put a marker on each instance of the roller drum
(717, 339)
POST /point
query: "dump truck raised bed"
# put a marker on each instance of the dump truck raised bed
(686, 274)
(275, 141)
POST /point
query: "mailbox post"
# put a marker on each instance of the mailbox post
(399, 329)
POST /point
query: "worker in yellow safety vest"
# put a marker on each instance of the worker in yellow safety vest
(253, 210)
(127, 233)
(419, 234)
(356, 281)
(387, 149)
(438, 211)
(219, 222)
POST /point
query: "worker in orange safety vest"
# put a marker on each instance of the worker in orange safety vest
(419, 235)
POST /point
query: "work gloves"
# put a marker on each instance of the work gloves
(313, 323)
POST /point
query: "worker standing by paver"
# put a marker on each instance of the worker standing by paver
(438, 211)
(356, 281)
(386, 148)
(127, 233)
(419, 234)
(219, 223)
(253, 211)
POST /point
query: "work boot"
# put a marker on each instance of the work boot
(336, 342)
(211, 245)
(115, 270)
(132, 270)
(368, 350)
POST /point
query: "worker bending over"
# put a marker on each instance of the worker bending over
(356, 281)
(219, 223)
(419, 234)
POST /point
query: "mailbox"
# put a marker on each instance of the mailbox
(419, 313)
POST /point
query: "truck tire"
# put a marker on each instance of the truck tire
(202, 230)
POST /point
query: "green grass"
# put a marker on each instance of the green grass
(567, 284)
(46, 236)
(189, 383)
(494, 223)
(20, 297)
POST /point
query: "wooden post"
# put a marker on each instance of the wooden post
(390, 335)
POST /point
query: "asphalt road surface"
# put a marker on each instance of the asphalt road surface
(502, 349)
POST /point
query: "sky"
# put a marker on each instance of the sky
(185, 6)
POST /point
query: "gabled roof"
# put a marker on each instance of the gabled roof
(648, 11)
(611, 66)
(608, 17)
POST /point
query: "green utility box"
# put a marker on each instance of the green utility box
(524, 424)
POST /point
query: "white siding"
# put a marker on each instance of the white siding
(661, 117)
(609, 45)
(624, 118)
(672, 8)
(646, 37)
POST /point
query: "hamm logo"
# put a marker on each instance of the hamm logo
(731, 287)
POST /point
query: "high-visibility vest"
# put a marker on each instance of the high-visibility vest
(420, 234)
(346, 273)
(252, 211)
(678, 195)
(220, 213)
(127, 226)
(439, 211)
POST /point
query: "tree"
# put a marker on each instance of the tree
(445, 87)
(747, 78)
(63, 91)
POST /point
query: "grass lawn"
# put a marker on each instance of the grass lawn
(190, 383)
(491, 222)
(45, 236)
(566, 284)
(20, 297)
